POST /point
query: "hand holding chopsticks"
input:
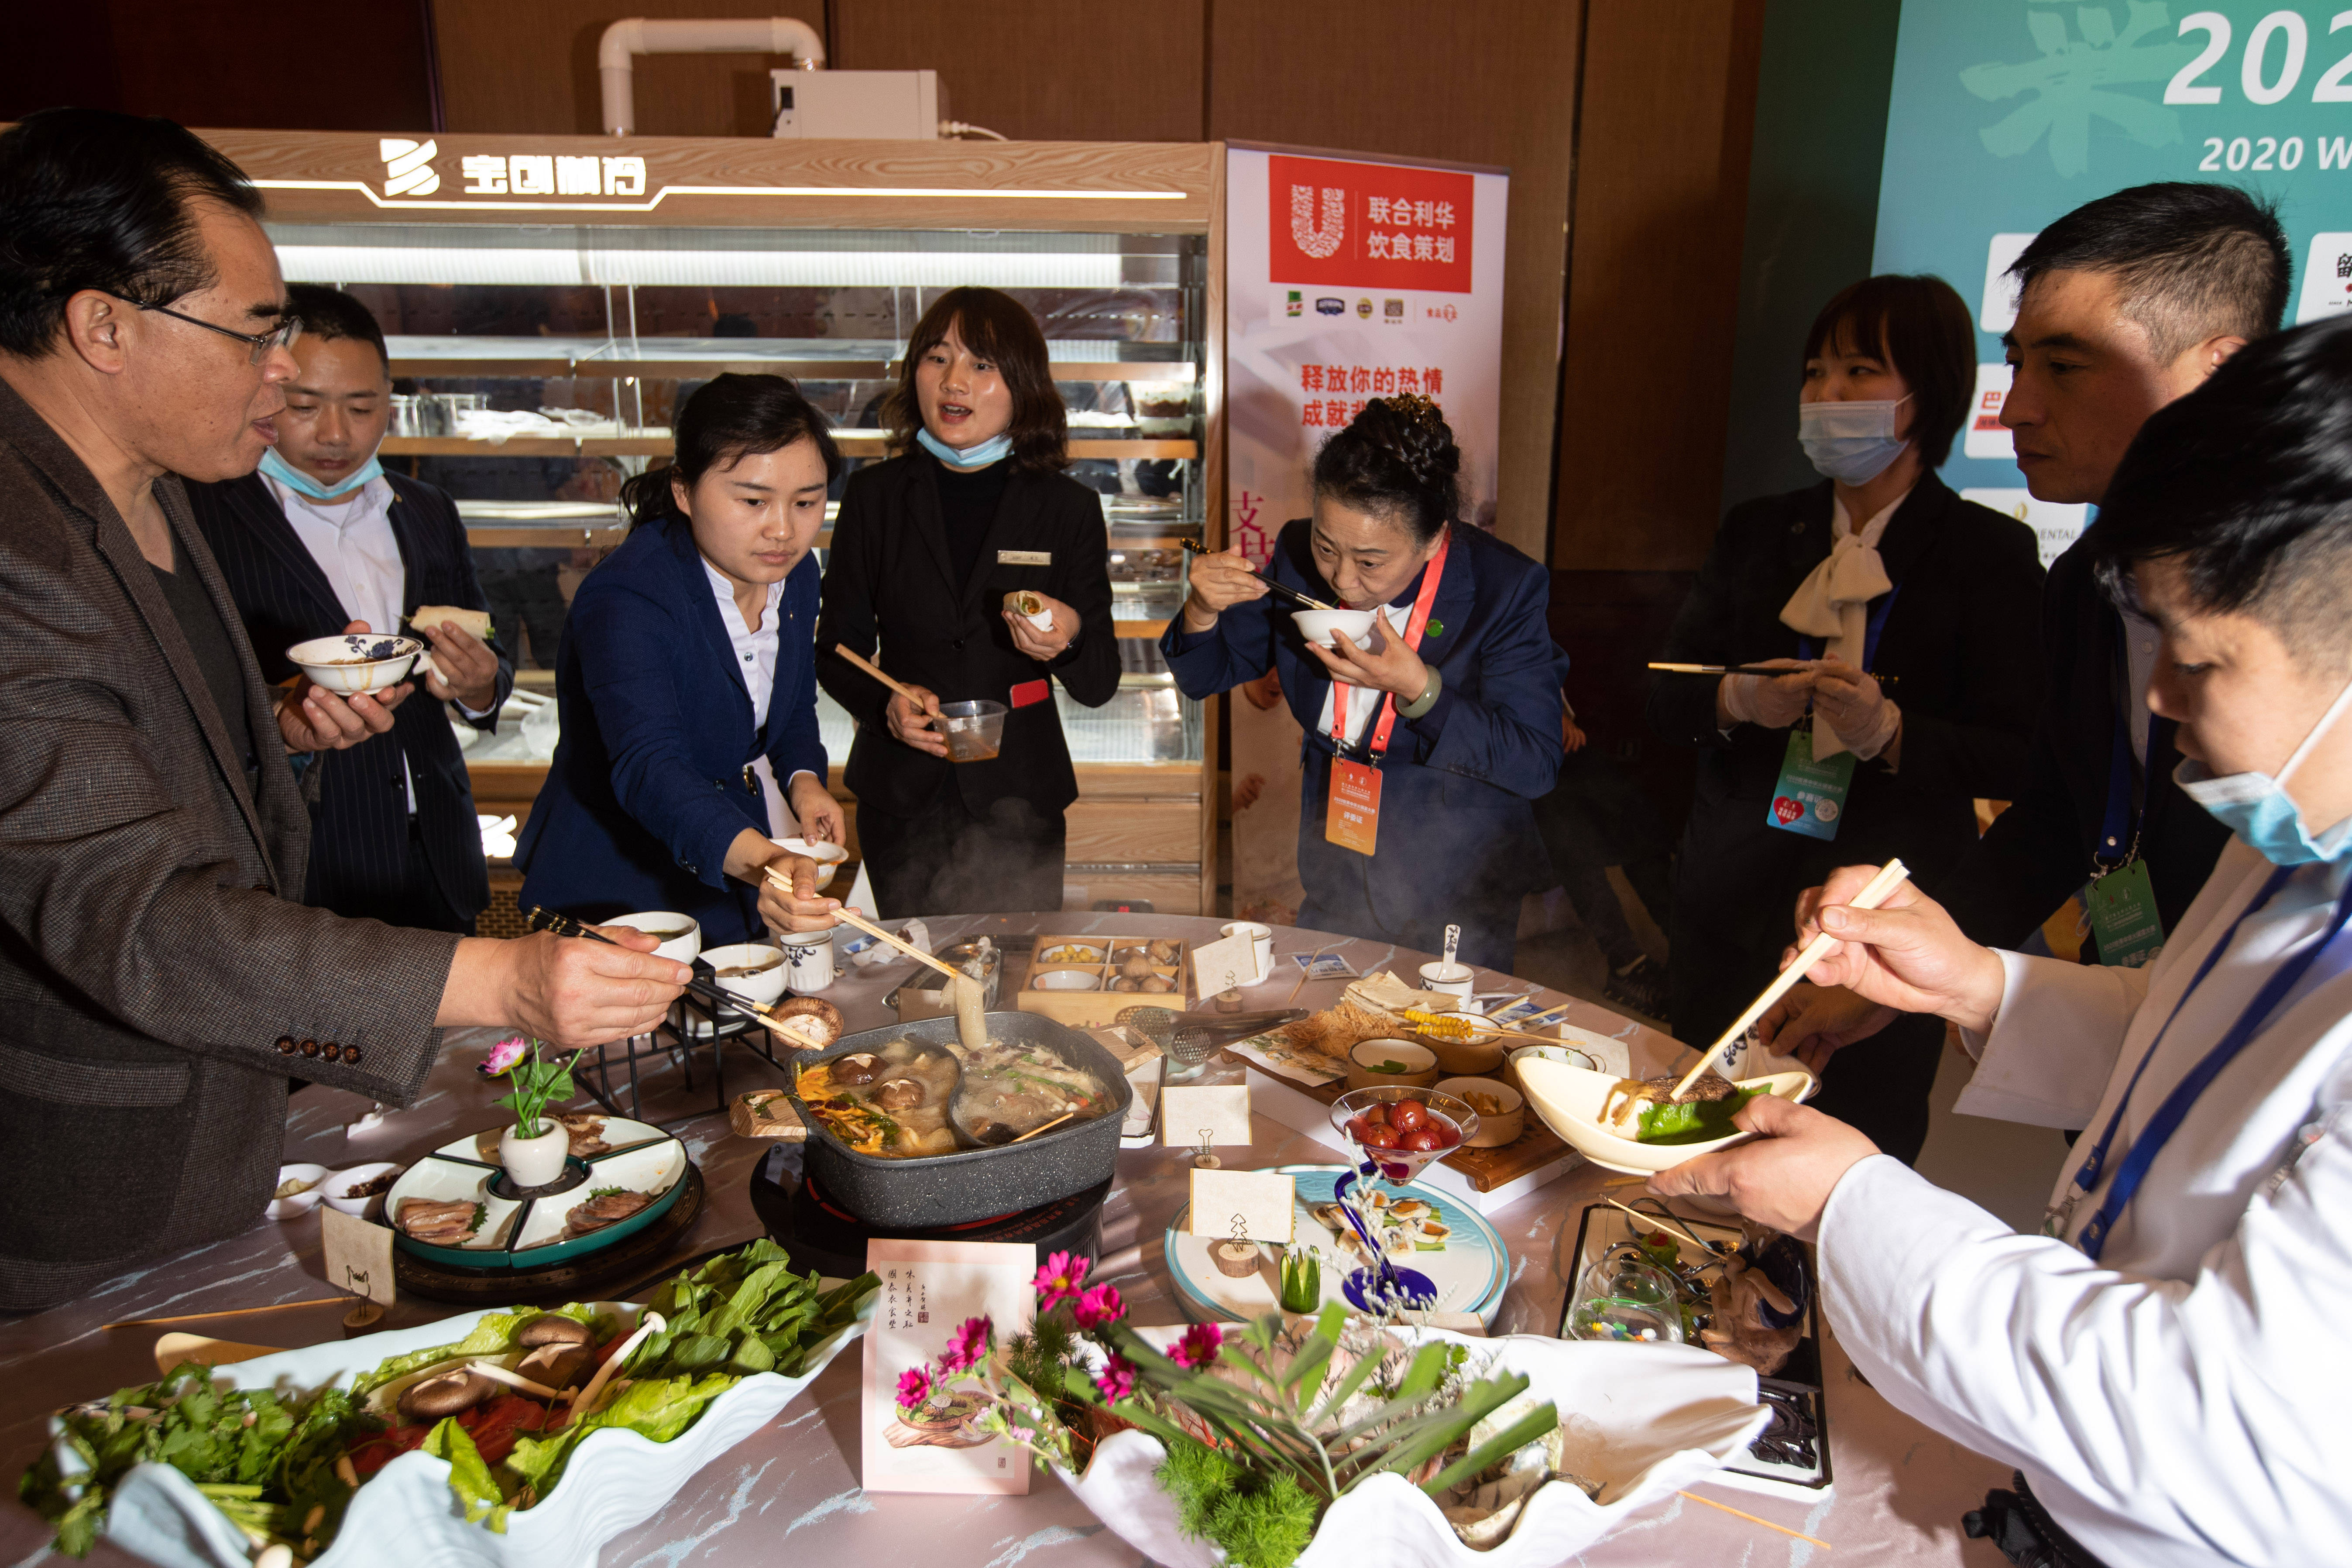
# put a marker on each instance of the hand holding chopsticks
(1283, 591)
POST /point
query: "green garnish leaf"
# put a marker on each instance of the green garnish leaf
(1692, 1121)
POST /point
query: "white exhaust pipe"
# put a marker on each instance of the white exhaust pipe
(635, 36)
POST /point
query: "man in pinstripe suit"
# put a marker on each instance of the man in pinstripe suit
(158, 985)
(321, 540)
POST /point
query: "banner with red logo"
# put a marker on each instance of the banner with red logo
(1346, 279)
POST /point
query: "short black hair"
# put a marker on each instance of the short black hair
(2193, 260)
(2247, 484)
(91, 199)
(1397, 458)
(1921, 327)
(1000, 329)
(726, 419)
(328, 314)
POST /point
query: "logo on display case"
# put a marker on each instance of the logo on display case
(408, 167)
(1328, 306)
(1368, 225)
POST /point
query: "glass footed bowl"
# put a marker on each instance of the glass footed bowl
(1401, 1164)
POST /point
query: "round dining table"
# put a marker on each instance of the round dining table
(792, 1489)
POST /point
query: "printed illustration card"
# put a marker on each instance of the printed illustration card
(929, 1289)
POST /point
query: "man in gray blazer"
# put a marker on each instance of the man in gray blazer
(158, 981)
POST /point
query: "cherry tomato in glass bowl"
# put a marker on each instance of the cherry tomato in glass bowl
(1377, 1137)
(1448, 1135)
(1421, 1139)
(1406, 1115)
(1378, 1115)
(1358, 1127)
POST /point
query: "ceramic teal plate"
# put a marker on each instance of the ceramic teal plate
(528, 1232)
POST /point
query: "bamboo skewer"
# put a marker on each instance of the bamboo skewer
(1472, 1027)
(862, 663)
(1782, 1529)
(1890, 877)
(232, 1312)
(1307, 971)
(1044, 1127)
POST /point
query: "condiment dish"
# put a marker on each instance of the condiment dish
(1365, 1058)
(332, 1190)
(351, 663)
(764, 984)
(1496, 1128)
(302, 1202)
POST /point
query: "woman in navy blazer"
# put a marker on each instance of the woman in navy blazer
(655, 800)
(1475, 737)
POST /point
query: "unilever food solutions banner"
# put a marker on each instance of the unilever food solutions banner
(1346, 279)
(2007, 113)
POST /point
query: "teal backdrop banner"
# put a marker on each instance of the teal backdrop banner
(2006, 113)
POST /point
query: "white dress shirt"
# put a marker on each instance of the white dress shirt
(2180, 1401)
(755, 657)
(1363, 702)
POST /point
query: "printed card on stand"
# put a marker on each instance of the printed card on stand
(1225, 964)
(1243, 1206)
(1192, 1115)
(929, 1288)
(358, 1256)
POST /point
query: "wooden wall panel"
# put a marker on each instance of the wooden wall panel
(1489, 82)
(1044, 70)
(1660, 210)
(528, 67)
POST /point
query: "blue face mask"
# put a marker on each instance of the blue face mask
(2256, 807)
(980, 457)
(295, 480)
(1853, 443)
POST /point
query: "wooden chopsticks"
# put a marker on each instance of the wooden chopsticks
(1279, 590)
(870, 668)
(851, 917)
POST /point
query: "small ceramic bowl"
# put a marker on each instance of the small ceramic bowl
(762, 987)
(1318, 625)
(338, 1182)
(1567, 1056)
(1071, 952)
(828, 857)
(1496, 1128)
(1463, 1059)
(351, 663)
(1066, 980)
(1420, 1064)
(304, 1201)
(1448, 979)
(681, 934)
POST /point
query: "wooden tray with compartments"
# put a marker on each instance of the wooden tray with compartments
(1096, 971)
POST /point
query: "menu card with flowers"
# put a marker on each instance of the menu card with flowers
(944, 1309)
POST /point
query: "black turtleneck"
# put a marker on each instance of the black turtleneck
(968, 502)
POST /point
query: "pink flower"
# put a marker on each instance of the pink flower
(968, 1345)
(1059, 1279)
(914, 1387)
(504, 1056)
(1117, 1379)
(1199, 1346)
(1098, 1306)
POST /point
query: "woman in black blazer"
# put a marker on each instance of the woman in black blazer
(1879, 568)
(926, 550)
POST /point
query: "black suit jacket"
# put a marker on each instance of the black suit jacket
(888, 580)
(1961, 639)
(2040, 852)
(359, 844)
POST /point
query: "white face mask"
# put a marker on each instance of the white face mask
(1853, 443)
(2256, 805)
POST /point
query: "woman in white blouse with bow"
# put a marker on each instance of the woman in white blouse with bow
(2165, 1363)
(1906, 620)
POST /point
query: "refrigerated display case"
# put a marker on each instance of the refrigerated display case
(549, 302)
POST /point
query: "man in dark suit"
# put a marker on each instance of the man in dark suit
(158, 984)
(2125, 304)
(321, 540)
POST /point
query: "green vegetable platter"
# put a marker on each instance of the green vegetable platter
(206, 1468)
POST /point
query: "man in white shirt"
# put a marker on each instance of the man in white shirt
(2165, 1363)
(322, 540)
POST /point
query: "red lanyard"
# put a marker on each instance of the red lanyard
(1414, 626)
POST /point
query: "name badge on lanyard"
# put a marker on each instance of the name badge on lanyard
(1352, 816)
(1809, 797)
(2120, 902)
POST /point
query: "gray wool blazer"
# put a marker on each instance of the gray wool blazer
(157, 986)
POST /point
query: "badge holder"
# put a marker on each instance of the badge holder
(1809, 797)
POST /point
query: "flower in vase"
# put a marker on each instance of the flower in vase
(1117, 1379)
(1059, 1279)
(968, 1346)
(1098, 1306)
(1198, 1347)
(504, 1055)
(914, 1387)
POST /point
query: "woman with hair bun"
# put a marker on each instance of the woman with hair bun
(1426, 748)
(687, 684)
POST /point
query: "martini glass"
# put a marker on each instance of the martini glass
(1356, 1113)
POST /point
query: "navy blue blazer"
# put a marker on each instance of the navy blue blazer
(651, 779)
(1457, 826)
(359, 839)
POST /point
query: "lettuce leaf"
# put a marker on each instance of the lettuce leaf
(658, 1409)
(494, 1335)
(469, 1478)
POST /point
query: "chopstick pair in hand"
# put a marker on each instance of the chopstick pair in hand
(1283, 591)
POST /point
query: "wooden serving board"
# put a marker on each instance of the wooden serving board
(1486, 1169)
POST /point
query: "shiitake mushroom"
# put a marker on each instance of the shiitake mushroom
(559, 1365)
(899, 1094)
(445, 1393)
(821, 1022)
(554, 1329)
(859, 1067)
